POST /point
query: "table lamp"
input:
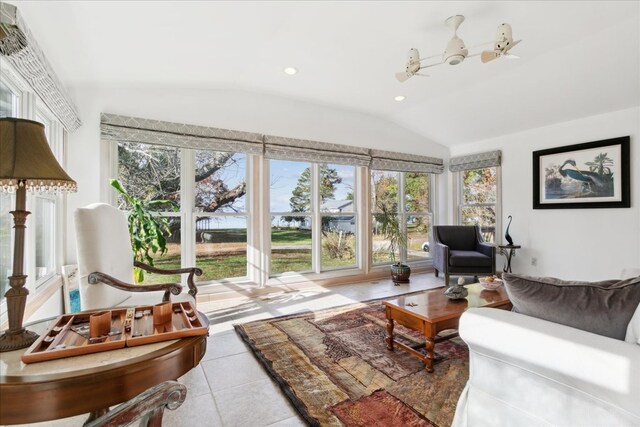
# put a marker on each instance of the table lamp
(26, 163)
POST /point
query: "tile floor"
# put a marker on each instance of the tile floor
(230, 388)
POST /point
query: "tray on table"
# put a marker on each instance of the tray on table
(103, 330)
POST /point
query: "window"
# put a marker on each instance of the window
(478, 194)
(407, 195)
(304, 196)
(8, 108)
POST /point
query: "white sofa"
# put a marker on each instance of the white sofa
(525, 371)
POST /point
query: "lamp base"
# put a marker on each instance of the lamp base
(10, 340)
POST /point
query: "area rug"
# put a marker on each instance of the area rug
(334, 367)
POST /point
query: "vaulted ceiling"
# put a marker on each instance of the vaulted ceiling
(577, 58)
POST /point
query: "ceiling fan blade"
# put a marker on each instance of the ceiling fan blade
(513, 44)
(510, 56)
(422, 75)
(432, 65)
(488, 55)
(403, 76)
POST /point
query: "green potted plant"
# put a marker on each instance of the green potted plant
(148, 232)
(388, 224)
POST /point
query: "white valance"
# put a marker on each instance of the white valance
(132, 129)
(277, 147)
(403, 162)
(21, 50)
(475, 161)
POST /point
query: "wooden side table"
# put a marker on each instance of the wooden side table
(509, 251)
(72, 386)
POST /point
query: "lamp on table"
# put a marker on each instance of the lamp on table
(26, 163)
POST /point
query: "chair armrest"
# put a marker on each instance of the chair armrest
(149, 403)
(486, 249)
(601, 367)
(191, 271)
(173, 288)
(440, 253)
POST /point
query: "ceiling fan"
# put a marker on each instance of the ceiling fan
(456, 51)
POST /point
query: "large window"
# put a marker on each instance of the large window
(313, 217)
(478, 194)
(407, 196)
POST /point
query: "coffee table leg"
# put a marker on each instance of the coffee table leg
(389, 338)
(429, 346)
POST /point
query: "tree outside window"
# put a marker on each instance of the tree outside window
(478, 200)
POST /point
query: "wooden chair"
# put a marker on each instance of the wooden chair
(105, 263)
(147, 406)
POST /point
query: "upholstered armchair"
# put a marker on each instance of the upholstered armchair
(459, 250)
(105, 263)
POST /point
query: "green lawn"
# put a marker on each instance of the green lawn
(290, 236)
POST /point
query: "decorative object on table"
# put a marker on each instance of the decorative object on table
(490, 283)
(590, 175)
(508, 251)
(26, 163)
(96, 331)
(388, 225)
(350, 377)
(456, 292)
(461, 280)
(507, 236)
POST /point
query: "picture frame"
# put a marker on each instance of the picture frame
(70, 289)
(583, 176)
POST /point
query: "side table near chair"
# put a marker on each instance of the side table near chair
(508, 251)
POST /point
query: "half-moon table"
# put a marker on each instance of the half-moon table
(92, 383)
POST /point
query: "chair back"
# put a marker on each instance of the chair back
(457, 237)
(103, 245)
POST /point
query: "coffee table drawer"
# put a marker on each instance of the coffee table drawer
(408, 321)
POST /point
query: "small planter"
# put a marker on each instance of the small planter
(400, 273)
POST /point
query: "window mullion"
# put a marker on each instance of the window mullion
(316, 220)
(187, 210)
(402, 215)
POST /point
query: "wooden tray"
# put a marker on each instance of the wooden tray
(70, 334)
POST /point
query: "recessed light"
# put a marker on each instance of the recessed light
(290, 70)
(400, 98)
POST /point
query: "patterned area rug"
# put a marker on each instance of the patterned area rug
(334, 367)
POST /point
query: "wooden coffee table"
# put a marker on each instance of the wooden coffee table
(431, 312)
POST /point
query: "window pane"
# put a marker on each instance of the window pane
(483, 216)
(171, 259)
(418, 231)
(45, 226)
(220, 181)
(221, 247)
(7, 204)
(479, 186)
(382, 252)
(290, 186)
(384, 190)
(151, 173)
(7, 103)
(337, 183)
(416, 192)
(338, 242)
(290, 244)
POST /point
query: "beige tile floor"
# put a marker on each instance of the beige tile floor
(230, 388)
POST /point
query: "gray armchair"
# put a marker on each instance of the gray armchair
(459, 250)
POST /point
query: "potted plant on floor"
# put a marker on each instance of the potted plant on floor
(388, 224)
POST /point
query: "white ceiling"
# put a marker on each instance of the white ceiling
(578, 58)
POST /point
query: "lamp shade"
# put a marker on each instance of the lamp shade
(26, 159)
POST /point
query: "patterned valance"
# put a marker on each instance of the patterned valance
(132, 129)
(277, 147)
(475, 161)
(393, 161)
(19, 47)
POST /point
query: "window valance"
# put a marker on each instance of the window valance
(277, 147)
(132, 129)
(19, 47)
(391, 160)
(475, 161)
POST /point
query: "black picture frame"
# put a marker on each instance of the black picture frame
(597, 180)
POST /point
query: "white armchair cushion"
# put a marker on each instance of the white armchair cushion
(103, 245)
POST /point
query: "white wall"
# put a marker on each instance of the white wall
(588, 244)
(237, 110)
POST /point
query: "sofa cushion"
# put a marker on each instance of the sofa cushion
(468, 259)
(462, 237)
(604, 307)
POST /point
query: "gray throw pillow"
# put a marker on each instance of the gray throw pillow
(604, 308)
